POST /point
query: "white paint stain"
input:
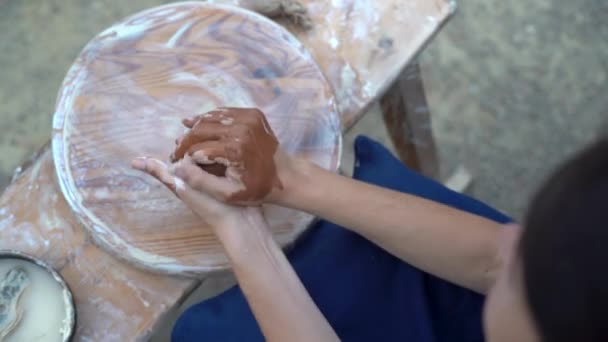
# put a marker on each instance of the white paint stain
(102, 194)
(131, 29)
(125, 31)
(346, 92)
(366, 17)
(171, 43)
(334, 43)
(370, 89)
(179, 184)
(227, 121)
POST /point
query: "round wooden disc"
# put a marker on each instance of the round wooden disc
(125, 96)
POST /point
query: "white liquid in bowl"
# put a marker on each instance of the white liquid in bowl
(42, 302)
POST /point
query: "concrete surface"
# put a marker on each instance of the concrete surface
(514, 86)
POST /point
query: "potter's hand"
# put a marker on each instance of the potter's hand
(238, 156)
(213, 212)
(267, 279)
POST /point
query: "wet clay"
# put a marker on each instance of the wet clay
(239, 141)
(215, 169)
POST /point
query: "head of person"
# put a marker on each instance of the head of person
(554, 284)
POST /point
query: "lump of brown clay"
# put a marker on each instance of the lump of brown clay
(239, 138)
(215, 169)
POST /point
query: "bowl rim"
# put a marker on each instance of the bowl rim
(68, 297)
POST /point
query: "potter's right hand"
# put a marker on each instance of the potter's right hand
(240, 139)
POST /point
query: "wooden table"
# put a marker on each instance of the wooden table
(362, 46)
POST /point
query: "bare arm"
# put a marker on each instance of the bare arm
(455, 245)
(280, 303)
(452, 244)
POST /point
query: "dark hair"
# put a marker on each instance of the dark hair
(564, 250)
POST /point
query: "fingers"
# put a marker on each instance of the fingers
(156, 169)
(211, 156)
(215, 169)
(183, 144)
(206, 132)
(191, 174)
(216, 151)
(190, 122)
(210, 149)
(222, 113)
(191, 197)
(215, 115)
(210, 209)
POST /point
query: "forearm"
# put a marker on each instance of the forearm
(452, 244)
(279, 301)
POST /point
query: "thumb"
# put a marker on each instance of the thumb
(213, 212)
(196, 178)
(190, 196)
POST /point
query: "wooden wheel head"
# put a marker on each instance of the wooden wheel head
(125, 96)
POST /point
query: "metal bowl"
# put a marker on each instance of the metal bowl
(69, 322)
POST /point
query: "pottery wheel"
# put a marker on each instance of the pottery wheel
(125, 96)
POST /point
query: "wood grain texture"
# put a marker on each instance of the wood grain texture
(114, 301)
(125, 96)
(408, 121)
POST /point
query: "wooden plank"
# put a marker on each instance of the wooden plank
(407, 118)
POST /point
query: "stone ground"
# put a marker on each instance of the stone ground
(514, 86)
